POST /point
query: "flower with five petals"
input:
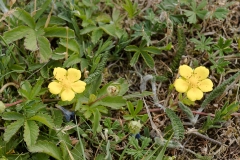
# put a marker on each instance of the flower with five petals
(67, 83)
(193, 82)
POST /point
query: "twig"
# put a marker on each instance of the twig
(195, 132)
(8, 84)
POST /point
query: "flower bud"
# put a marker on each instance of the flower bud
(112, 90)
(134, 127)
(2, 107)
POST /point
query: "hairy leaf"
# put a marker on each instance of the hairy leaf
(43, 118)
(15, 34)
(25, 17)
(44, 49)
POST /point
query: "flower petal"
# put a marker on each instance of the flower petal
(194, 94)
(73, 74)
(67, 95)
(78, 86)
(181, 85)
(55, 87)
(185, 71)
(59, 73)
(201, 72)
(206, 85)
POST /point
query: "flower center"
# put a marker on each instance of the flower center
(66, 84)
(193, 82)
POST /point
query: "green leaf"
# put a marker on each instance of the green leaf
(134, 58)
(220, 13)
(88, 29)
(41, 9)
(132, 48)
(44, 49)
(109, 29)
(114, 102)
(25, 17)
(60, 32)
(71, 45)
(43, 118)
(152, 49)
(15, 34)
(73, 59)
(31, 132)
(12, 129)
(138, 95)
(96, 35)
(130, 108)
(108, 155)
(12, 116)
(19, 68)
(47, 148)
(187, 111)
(36, 89)
(96, 120)
(30, 41)
(148, 59)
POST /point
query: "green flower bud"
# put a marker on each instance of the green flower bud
(2, 107)
(134, 127)
(112, 90)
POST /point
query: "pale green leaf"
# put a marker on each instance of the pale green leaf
(31, 132)
(15, 34)
(30, 41)
(88, 29)
(25, 17)
(43, 118)
(96, 35)
(60, 32)
(44, 49)
(47, 148)
(12, 129)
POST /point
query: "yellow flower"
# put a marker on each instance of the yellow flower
(193, 82)
(67, 83)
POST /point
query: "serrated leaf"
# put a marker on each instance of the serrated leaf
(60, 32)
(31, 132)
(30, 41)
(43, 118)
(12, 116)
(220, 13)
(15, 34)
(36, 89)
(25, 17)
(176, 123)
(47, 148)
(148, 59)
(12, 129)
(44, 49)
